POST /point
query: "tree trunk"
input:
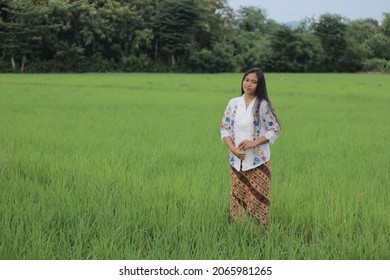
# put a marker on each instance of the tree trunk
(155, 50)
(23, 62)
(13, 63)
(173, 59)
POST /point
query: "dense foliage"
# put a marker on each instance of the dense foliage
(181, 36)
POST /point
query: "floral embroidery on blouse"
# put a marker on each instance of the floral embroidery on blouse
(265, 126)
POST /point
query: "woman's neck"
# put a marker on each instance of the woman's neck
(248, 99)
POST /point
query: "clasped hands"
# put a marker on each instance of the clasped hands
(244, 145)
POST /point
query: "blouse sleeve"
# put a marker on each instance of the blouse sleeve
(226, 124)
(271, 124)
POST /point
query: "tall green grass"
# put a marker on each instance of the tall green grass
(130, 166)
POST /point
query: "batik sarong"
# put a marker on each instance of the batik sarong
(250, 193)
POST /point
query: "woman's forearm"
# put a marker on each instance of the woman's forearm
(260, 141)
(229, 142)
(246, 144)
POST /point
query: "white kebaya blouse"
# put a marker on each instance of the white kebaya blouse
(241, 123)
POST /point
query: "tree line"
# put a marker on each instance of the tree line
(181, 36)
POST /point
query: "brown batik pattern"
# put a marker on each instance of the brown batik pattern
(250, 193)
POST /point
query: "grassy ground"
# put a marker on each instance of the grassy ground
(130, 166)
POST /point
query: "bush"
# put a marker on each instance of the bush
(219, 59)
(4, 66)
(201, 61)
(68, 59)
(377, 65)
(96, 63)
(134, 63)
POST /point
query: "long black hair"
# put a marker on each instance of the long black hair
(261, 91)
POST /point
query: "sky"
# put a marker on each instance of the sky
(284, 11)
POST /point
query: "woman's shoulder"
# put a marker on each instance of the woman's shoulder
(234, 100)
(264, 104)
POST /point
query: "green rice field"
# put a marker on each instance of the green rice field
(131, 166)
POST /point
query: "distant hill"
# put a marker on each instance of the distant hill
(292, 24)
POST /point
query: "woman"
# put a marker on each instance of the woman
(248, 128)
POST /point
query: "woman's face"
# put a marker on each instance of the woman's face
(249, 84)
